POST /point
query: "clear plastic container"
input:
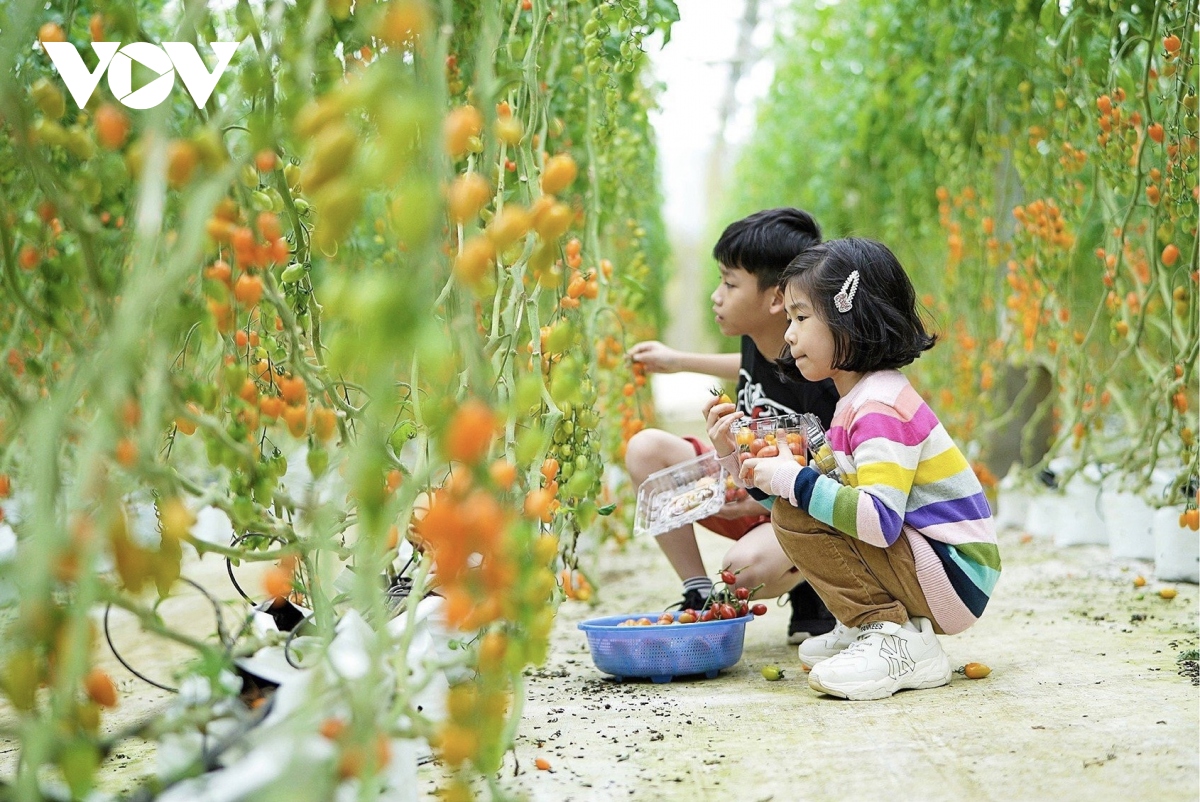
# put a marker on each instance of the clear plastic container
(818, 446)
(792, 435)
(754, 434)
(770, 436)
(679, 495)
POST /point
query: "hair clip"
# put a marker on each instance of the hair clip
(844, 300)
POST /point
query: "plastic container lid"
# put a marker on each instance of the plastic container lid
(679, 495)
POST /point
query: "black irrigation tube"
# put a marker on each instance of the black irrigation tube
(229, 561)
(220, 634)
(287, 644)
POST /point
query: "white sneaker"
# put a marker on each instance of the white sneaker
(884, 659)
(822, 647)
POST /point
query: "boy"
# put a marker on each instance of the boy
(747, 303)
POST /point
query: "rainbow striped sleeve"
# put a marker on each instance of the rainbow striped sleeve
(886, 453)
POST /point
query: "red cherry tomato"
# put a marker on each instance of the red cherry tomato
(759, 609)
(742, 593)
(729, 578)
(708, 615)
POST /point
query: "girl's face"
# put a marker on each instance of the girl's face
(808, 338)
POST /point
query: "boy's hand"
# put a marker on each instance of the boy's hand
(656, 357)
(719, 418)
(759, 471)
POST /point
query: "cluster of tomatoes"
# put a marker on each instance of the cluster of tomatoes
(631, 421)
(502, 238)
(723, 604)
(1190, 519)
(770, 444)
(493, 569)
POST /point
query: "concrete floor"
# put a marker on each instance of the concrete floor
(1084, 702)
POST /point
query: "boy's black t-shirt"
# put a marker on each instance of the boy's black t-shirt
(762, 391)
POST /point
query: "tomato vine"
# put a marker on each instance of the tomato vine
(360, 299)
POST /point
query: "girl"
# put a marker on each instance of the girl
(906, 547)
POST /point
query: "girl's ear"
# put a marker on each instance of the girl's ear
(776, 306)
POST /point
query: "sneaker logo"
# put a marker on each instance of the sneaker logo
(872, 626)
(895, 652)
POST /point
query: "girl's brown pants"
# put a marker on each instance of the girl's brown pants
(858, 582)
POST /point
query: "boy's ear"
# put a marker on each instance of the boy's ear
(776, 306)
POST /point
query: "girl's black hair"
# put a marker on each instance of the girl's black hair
(883, 330)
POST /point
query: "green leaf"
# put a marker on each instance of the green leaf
(667, 13)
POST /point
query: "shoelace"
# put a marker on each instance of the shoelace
(859, 644)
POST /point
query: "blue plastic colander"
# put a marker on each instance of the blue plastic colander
(664, 651)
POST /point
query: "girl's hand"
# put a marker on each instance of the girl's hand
(720, 418)
(759, 471)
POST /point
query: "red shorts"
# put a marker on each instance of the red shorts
(732, 528)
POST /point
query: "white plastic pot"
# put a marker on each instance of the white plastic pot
(1042, 513)
(1176, 548)
(1081, 522)
(1130, 524)
(1129, 518)
(1012, 505)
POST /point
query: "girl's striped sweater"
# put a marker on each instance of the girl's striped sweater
(904, 475)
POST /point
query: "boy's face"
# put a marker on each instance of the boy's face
(740, 306)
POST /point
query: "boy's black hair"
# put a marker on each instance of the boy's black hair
(765, 242)
(883, 330)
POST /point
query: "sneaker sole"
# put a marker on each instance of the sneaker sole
(934, 675)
